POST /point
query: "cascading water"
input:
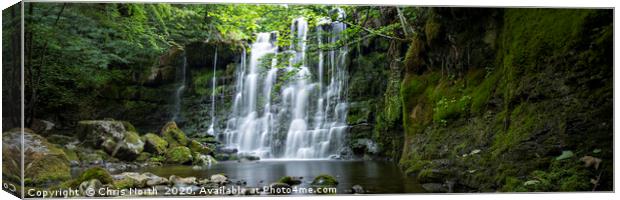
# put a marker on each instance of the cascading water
(308, 119)
(211, 130)
(180, 89)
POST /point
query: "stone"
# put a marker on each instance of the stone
(90, 185)
(219, 179)
(154, 144)
(357, 189)
(179, 155)
(290, 180)
(324, 180)
(42, 127)
(182, 182)
(434, 187)
(44, 162)
(174, 135)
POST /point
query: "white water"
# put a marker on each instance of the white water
(306, 119)
(180, 89)
(211, 130)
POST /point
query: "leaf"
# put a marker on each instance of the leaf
(565, 155)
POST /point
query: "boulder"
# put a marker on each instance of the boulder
(182, 182)
(203, 160)
(154, 144)
(290, 180)
(129, 148)
(179, 155)
(435, 187)
(357, 189)
(196, 146)
(174, 135)
(95, 132)
(42, 127)
(44, 162)
(324, 180)
(219, 179)
(112, 136)
(90, 185)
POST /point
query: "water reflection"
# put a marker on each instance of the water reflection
(373, 176)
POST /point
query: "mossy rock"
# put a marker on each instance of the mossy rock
(179, 155)
(129, 148)
(144, 156)
(289, 180)
(154, 144)
(127, 183)
(129, 127)
(196, 146)
(44, 162)
(92, 173)
(324, 180)
(173, 135)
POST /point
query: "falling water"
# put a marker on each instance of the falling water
(211, 130)
(180, 89)
(307, 119)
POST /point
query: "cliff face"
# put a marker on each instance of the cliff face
(492, 97)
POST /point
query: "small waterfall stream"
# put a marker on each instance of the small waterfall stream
(211, 130)
(304, 117)
(181, 78)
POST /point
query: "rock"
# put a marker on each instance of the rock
(324, 180)
(42, 127)
(203, 160)
(182, 182)
(61, 139)
(96, 173)
(432, 176)
(248, 158)
(227, 150)
(129, 127)
(44, 162)
(222, 156)
(129, 148)
(90, 185)
(357, 189)
(112, 136)
(531, 182)
(173, 135)
(196, 146)
(434, 187)
(154, 144)
(219, 179)
(290, 180)
(179, 155)
(95, 132)
(279, 188)
(590, 161)
(143, 157)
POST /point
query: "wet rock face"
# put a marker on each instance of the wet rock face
(44, 162)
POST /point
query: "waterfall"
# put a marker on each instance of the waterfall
(180, 89)
(211, 130)
(307, 120)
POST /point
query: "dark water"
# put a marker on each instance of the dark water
(374, 176)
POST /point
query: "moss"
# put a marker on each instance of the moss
(92, 173)
(126, 183)
(175, 137)
(71, 155)
(195, 146)
(154, 144)
(129, 127)
(414, 60)
(289, 180)
(179, 155)
(432, 30)
(324, 181)
(49, 169)
(144, 156)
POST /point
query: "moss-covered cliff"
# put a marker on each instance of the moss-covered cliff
(492, 97)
